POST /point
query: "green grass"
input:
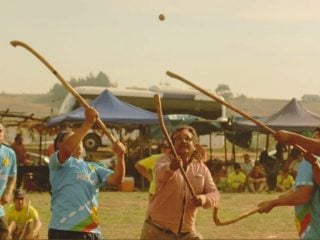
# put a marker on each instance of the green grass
(122, 215)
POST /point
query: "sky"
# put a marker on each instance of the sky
(262, 49)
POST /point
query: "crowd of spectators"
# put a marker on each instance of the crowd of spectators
(266, 174)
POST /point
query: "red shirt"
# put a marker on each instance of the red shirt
(20, 152)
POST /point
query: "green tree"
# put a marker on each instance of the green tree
(241, 96)
(224, 91)
(58, 91)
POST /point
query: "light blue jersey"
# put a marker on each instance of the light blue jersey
(8, 168)
(75, 188)
(308, 215)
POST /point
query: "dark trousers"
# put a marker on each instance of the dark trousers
(55, 234)
(4, 232)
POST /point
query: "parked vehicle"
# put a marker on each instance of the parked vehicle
(174, 101)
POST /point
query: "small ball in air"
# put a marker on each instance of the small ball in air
(161, 17)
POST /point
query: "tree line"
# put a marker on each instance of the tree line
(58, 91)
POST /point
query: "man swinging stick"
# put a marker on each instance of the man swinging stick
(183, 183)
(307, 145)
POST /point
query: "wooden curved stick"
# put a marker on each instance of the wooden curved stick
(260, 124)
(218, 99)
(217, 221)
(66, 85)
(166, 134)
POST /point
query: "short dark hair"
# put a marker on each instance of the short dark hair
(236, 166)
(59, 138)
(295, 152)
(19, 193)
(19, 135)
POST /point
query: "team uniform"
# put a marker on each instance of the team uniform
(75, 188)
(8, 168)
(308, 215)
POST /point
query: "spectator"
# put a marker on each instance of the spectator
(280, 149)
(272, 173)
(284, 181)
(23, 219)
(271, 166)
(50, 149)
(257, 179)
(172, 210)
(20, 150)
(218, 173)
(296, 157)
(236, 180)
(263, 158)
(274, 166)
(247, 164)
(145, 166)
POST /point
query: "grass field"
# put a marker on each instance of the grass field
(122, 215)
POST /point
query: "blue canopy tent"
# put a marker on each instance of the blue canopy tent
(112, 111)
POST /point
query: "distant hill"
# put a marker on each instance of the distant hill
(38, 104)
(41, 105)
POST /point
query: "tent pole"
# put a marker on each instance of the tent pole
(267, 142)
(141, 153)
(225, 153)
(148, 128)
(257, 145)
(233, 147)
(210, 141)
(40, 149)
